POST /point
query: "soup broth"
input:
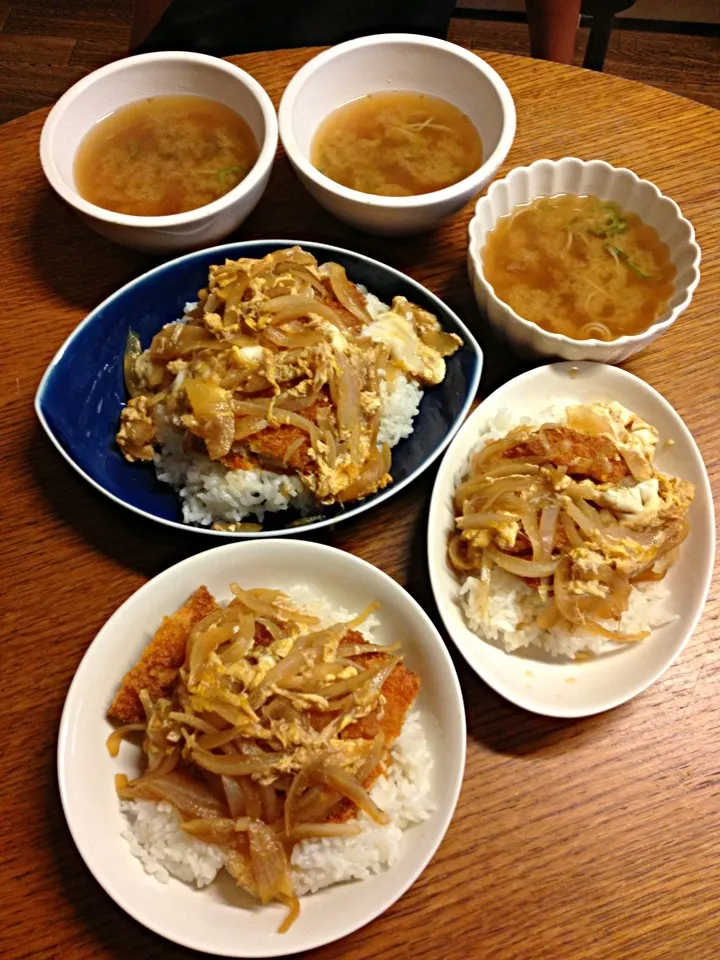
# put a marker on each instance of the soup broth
(397, 144)
(164, 155)
(579, 266)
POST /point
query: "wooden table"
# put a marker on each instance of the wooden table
(594, 839)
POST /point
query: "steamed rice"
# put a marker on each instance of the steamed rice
(156, 839)
(509, 620)
(210, 492)
(165, 850)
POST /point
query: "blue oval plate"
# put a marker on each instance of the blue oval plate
(82, 392)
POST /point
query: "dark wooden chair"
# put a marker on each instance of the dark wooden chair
(603, 14)
(553, 26)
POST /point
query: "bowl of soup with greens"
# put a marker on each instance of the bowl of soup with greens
(394, 133)
(580, 260)
(163, 152)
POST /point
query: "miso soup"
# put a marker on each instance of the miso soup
(397, 144)
(579, 266)
(164, 155)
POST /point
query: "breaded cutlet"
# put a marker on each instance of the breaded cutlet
(157, 668)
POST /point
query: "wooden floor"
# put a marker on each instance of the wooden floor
(46, 45)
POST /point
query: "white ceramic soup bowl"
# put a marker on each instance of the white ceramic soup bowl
(149, 75)
(548, 178)
(395, 61)
(212, 920)
(529, 677)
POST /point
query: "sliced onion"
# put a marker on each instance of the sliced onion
(260, 606)
(253, 803)
(532, 532)
(270, 803)
(296, 403)
(133, 349)
(563, 599)
(345, 392)
(213, 410)
(461, 554)
(614, 635)
(586, 421)
(234, 796)
(285, 309)
(300, 784)
(636, 464)
(231, 765)
(348, 294)
(571, 531)
(548, 616)
(347, 785)
(293, 905)
(374, 471)
(252, 408)
(220, 830)
(520, 567)
(220, 738)
(292, 449)
(305, 831)
(514, 468)
(475, 521)
(373, 759)
(190, 720)
(287, 337)
(270, 866)
(580, 518)
(117, 736)
(188, 797)
(548, 530)
(245, 426)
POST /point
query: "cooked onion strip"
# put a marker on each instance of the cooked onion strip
(521, 567)
(305, 831)
(559, 507)
(117, 736)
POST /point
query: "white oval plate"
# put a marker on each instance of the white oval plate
(206, 919)
(560, 688)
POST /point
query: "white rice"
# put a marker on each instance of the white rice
(405, 794)
(508, 621)
(165, 851)
(211, 492)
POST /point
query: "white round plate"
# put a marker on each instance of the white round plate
(557, 687)
(207, 919)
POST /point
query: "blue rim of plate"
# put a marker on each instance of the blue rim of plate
(470, 354)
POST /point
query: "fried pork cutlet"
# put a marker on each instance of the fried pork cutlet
(399, 690)
(595, 457)
(157, 668)
(272, 444)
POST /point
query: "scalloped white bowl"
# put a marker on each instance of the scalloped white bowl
(548, 178)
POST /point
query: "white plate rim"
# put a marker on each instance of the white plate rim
(444, 816)
(469, 427)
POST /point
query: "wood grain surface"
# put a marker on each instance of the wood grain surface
(594, 839)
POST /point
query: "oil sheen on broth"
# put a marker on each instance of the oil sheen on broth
(579, 266)
(164, 155)
(397, 144)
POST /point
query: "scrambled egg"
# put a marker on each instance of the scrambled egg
(411, 336)
(281, 367)
(627, 428)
